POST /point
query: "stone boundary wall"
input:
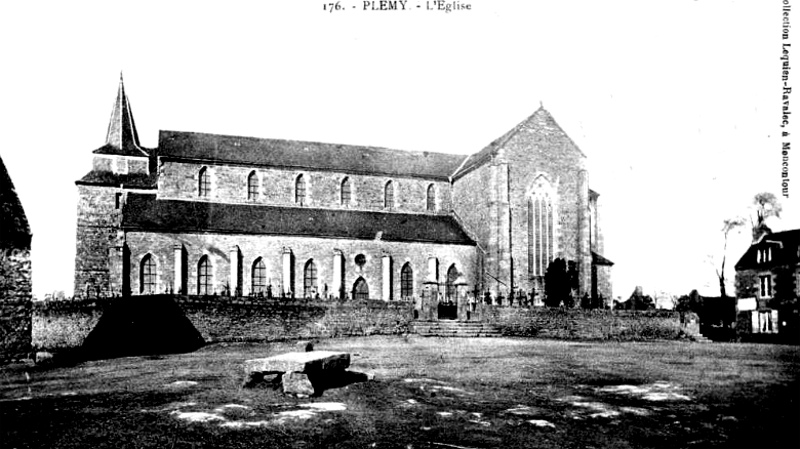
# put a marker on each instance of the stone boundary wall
(62, 325)
(580, 324)
(224, 319)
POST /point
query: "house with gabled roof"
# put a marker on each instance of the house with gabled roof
(217, 214)
(768, 280)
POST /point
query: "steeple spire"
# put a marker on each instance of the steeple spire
(122, 138)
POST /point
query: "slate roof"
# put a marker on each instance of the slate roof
(540, 122)
(132, 180)
(122, 138)
(306, 155)
(785, 250)
(14, 229)
(143, 212)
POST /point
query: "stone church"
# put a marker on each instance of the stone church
(206, 214)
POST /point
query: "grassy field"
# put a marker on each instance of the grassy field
(427, 393)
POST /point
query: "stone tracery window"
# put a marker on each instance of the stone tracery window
(300, 190)
(360, 289)
(406, 281)
(346, 193)
(259, 276)
(252, 186)
(310, 279)
(388, 195)
(204, 183)
(204, 276)
(147, 275)
(450, 283)
(541, 229)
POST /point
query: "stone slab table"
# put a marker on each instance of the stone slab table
(295, 368)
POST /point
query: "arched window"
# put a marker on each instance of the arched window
(388, 195)
(360, 289)
(252, 186)
(431, 203)
(346, 191)
(147, 276)
(310, 279)
(540, 234)
(406, 281)
(204, 276)
(450, 284)
(259, 276)
(300, 190)
(204, 183)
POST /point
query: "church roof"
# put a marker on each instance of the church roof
(540, 122)
(14, 229)
(122, 138)
(143, 212)
(306, 155)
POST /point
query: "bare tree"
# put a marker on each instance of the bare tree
(767, 205)
(727, 226)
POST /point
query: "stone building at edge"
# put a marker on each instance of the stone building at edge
(207, 214)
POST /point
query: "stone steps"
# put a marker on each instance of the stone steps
(454, 329)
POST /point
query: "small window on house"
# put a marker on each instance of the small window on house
(147, 276)
(300, 190)
(118, 200)
(431, 203)
(346, 195)
(204, 276)
(765, 286)
(388, 196)
(252, 186)
(204, 183)
(259, 276)
(406, 281)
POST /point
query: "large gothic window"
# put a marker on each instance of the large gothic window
(259, 276)
(204, 276)
(204, 183)
(360, 289)
(406, 281)
(431, 203)
(450, 284)
(388, 195)
(252, 186)
(540, 234)
(300, 190)
(310, 279)
(147, 276)
(346, 194)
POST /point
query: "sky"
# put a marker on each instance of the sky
(676, 103)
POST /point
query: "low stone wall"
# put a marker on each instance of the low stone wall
(60, 325)
(64, 324)
(578, 324)
(255, 319)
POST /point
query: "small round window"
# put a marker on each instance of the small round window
(361, 260)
